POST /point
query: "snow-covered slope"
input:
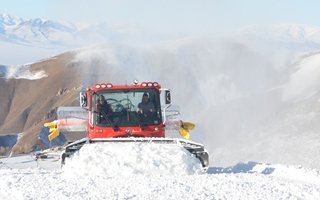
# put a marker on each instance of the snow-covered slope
(8, 20)
(296, 37)
(295, 33)
(20, 72)
(304, 80)
(32, 32)
(151, 171)
(49, 34)
(28, 40)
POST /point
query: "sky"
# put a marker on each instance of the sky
(180, 16)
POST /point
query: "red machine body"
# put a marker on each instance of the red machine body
(125, 121)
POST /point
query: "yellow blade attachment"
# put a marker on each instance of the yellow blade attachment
(184, 133)
(53, 129)
(185, 128)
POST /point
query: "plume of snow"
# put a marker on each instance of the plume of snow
(304, 81)
(20, 72)
(234, 90)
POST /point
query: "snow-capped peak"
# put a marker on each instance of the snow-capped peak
(10, 20)
(35, 32)
(49, 24)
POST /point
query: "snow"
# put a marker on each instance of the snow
(149, 171)
(133, 158)
(293, 33)
(25, 185)
(290, 172)
(20, 72)
(304, 82)
(35, 32)
(7, 19)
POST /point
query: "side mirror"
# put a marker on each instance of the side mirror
(83, 99)
(168, 97)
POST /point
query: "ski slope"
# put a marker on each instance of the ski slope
(149, 171)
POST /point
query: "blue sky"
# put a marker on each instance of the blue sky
(170, 15)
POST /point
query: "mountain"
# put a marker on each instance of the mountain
(48, 34)
(286, 32)
(298, 37)
(35, 32)
(8, 20)
(29, 40)
(30, 95)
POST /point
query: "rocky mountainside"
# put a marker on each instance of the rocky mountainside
(27, 103)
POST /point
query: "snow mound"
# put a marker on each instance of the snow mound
(119, 159)
(20, 72)
(288, 172)
(295, 173)
(250, 180)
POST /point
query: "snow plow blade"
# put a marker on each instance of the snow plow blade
(194, 148)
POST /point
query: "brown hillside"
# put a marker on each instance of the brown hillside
(26, 104)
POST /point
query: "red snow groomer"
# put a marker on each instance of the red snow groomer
(122, 113)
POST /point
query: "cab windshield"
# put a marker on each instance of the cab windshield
(130, 107)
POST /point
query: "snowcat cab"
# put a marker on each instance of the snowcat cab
(125, 119)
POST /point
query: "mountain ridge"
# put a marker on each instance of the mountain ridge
(43, 32)
(36, 31)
